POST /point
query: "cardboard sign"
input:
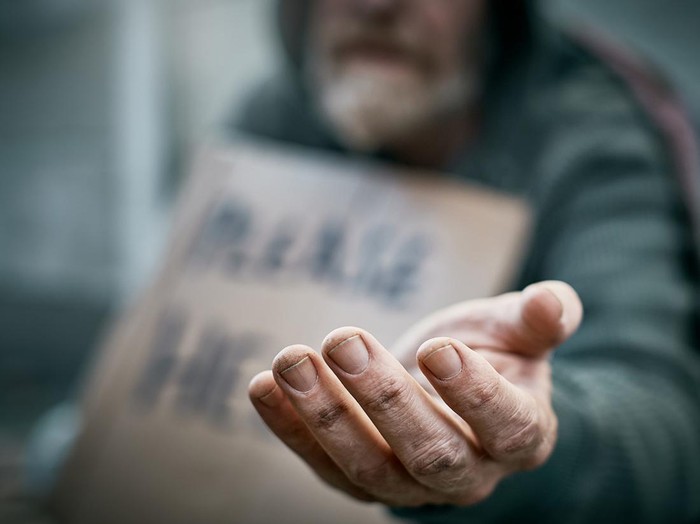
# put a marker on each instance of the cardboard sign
(269, 248)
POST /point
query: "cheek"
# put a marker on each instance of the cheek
(328, 9)
(324, 16)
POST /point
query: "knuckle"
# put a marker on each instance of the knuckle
(444, 460)
(369, 477)
(328, 416)
(482, 394)
(521, 441)
(388, 396)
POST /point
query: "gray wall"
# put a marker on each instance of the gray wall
(82, 136)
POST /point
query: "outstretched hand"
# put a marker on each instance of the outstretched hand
(476, 409)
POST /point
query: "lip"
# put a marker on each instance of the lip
(375, 52)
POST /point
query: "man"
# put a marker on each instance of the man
(480, 89)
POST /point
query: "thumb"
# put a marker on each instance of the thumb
(546, 315)
(531, 322)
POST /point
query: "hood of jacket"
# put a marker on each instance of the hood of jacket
(513, 24)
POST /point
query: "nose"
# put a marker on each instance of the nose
(378, 8)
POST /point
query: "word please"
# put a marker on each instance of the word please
(375, 259)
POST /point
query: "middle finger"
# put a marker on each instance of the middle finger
(342, 428)
(431, 444)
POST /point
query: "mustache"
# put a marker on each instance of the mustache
(348, 37)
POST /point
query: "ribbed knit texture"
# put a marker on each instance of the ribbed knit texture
(568, 136)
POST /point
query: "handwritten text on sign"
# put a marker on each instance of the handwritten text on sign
(379, 259)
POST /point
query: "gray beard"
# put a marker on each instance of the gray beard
(369, 111)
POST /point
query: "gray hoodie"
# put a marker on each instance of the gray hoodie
(596, 144)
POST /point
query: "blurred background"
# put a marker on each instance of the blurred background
(100, 103)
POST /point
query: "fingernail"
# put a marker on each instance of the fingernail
(272, 398)
(560, 304)
(351, 355)
(301, 376)
(550, 307)
(444, 363)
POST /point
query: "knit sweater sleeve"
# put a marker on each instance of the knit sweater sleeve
(627, 384)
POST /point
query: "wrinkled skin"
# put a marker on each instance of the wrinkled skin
(473, 408)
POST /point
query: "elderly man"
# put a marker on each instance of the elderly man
(488, 427)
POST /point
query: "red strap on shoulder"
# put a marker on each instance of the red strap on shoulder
(662, 105)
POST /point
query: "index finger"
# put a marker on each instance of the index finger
(433, 447)
(512, 425)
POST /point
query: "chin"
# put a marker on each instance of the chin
(370, 106)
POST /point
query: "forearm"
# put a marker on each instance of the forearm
(636, 443)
